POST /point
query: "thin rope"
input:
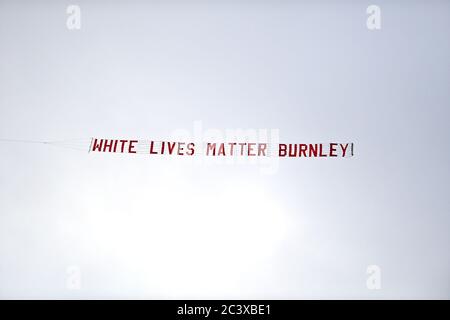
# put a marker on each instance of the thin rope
(24, 141)
(75, 144)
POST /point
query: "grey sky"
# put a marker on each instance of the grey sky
(141, 227)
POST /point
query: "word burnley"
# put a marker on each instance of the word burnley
(222, 149)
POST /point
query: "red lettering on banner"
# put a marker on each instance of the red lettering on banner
(152, 143)
(221, 151)
(122, 147)
(97, 146)
(232, 145)
(292, 150)
(262, 149)
(333, 149)
(191, 149)
(313, 150)
(242, 147)
(211, 147)
(282, 150)
(344, 149)
(180, 148)
(303, 147)
(131, 146)
(321, 154)
(250, 149)
(107, 145)
(171, 147)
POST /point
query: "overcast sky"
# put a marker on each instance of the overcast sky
(135, 226)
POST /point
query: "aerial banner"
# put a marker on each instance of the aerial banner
(222, 149)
